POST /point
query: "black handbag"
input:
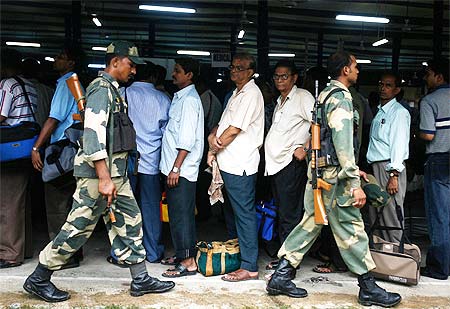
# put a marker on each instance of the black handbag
(17, 141)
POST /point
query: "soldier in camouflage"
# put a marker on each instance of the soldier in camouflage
(100, 186)
(342, 201)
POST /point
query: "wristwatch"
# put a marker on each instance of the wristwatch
(35, 149)
(393, 174)
(175, 169)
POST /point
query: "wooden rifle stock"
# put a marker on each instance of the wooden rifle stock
(77, 91)
(318, 184)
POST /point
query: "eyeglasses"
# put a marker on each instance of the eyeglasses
(282, 76)
(238, 68)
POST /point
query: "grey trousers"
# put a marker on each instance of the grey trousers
(389, 215)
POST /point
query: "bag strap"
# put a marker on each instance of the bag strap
(322, 109)
(22, 85)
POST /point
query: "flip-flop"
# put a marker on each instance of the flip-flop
(179, 271)
(113, 261)
(170, 260)
(272, 265)
(328, 268)
(240, 275)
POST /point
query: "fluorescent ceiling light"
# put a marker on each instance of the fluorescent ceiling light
(193, 52)
(282, 55)
(425, 63)
(364, 19)
(23, 44)
(99, 48)
(241, 34)
(49, 59)
(166, 9)
(380, 42)
(241, 43)
(96, 66)
(363, 61)
(96, 21)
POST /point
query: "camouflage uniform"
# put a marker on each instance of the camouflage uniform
(88, 205)
(344, 219)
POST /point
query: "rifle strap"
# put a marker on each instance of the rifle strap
(322, 108)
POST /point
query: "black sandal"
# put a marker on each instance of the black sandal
(170, 260)
(115, 262)
(272, 265)
(179, 271)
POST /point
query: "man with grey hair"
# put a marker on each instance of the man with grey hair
(235, 144)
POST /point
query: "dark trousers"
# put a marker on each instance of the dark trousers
(288, 186)
(241, 193)
(181, 205)
(147, 190)
(13, 201)
(58, 202)
(437, 207)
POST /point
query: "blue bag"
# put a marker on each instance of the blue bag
(266, 213)
(16, 142)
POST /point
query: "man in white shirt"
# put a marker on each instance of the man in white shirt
(235, 144)
(285, 146)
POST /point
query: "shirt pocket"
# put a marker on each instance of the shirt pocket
(380, 129)
(174, 121)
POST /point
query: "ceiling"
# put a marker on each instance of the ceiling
(293, 26)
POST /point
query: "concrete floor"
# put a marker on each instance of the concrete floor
(97, 284)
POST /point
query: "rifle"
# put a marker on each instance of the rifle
(320, 216)
(77, 91)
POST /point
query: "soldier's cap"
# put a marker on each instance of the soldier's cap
(125, 48)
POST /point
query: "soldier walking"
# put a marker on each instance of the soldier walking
(342, 201)
(101, 184)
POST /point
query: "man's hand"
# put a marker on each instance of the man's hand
(392, 185)
(215, 145)
(107, 188)
(363, 175)
(300, 154)
(360, 198)
(172, 179)
(211, 157)
(36, 160)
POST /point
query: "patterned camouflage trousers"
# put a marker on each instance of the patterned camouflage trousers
(88, 206)
(348, 229)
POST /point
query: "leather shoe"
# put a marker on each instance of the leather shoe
(281, 281)
(371, 294)
(39, 284)
(149, 284)
(426, 272)
(8, 264)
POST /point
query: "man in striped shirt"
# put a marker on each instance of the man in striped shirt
(14, 108)
(435, 129)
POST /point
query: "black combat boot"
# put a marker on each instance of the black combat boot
(281, 281)
(142, 283)
(38, 283)
(371, 294)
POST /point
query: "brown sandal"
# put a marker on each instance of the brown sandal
(240, 275)
(328, 268)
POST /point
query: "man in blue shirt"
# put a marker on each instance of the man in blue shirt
(182, 150)
(148, 109)
(58, 192)
(435, 129)
(388, 149)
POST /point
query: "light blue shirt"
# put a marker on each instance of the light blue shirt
(389, 136)
(62, 108)
(148, 109)
(184, 131)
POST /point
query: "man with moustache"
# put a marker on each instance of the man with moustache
(387, 151)
(235, 144)
(102, 187)
(342, 202)
(181, 153)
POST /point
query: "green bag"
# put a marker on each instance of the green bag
(218, 258)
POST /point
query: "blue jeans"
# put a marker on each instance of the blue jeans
(147, 191)
(241, 193)
(181, 205)
(437, 207)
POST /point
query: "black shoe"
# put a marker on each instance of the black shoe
(149, 284)
(73, 262)
(6, 264)
(39, 284)
(426, 272)
(115, 262)
(371, 294)
(281, 281)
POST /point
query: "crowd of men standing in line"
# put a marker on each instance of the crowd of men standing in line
(176, 137)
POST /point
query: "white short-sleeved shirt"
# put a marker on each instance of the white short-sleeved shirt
(290, 129)
(245, 110)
